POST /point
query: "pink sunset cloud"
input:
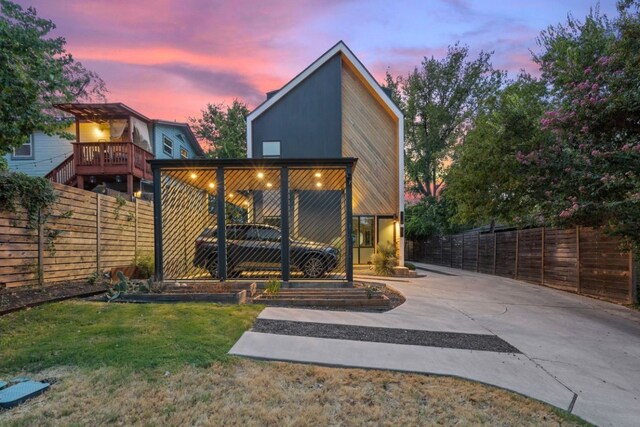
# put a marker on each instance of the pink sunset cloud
(169, 58)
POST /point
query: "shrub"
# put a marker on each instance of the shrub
(272, 287)
(144, 264)
(410, 266)
(384, 260)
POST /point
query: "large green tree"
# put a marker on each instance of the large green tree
(589, 171)
(36, 72)
(486, 180)
(224, 128)
(440, 100)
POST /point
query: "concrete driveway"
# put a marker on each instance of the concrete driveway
(576, 353)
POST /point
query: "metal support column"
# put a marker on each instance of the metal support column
(284, 222)
(220, 212)
(349, 231)
(157, 227)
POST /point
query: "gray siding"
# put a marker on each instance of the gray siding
(308, 120)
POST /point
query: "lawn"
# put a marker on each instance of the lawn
(167, 365)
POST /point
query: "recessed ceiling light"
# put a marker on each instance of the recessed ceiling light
(318, 174)
(230, 194)
(260, 175)
(269, 184)
(246, 203)
(211, 185)
(194, 176)
(318, 184)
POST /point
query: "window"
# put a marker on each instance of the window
(25, 151)
(270, 148)
(167, 146)
(270, 234)
(252, 234)
(184, 154)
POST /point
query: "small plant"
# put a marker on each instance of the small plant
(370, 291)
(93, 278)
(126, 286)
(120, 202)
(144, 264)
(384, 260)
(410, 266)
(272, 287)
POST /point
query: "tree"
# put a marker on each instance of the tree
(439, 100)
(590, 170)
(431, 216)
(485, 179)
(36, 72)
(224, 128)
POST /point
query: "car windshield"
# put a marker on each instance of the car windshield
(270, 234)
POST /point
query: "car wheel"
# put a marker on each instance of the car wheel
(213, 268)
(314, 267)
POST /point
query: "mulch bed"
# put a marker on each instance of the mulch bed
(455, 340)
(13, 299)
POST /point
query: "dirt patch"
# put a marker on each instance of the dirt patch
(250, 393)
(13, 299)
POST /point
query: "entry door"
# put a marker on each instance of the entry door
(362, 239)
(386, 231)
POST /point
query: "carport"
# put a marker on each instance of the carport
(288, 219)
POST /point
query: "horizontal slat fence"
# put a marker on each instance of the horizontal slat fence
(85, 232)
(580, 260)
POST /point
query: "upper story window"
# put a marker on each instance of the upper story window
(270, 148)
(167, 146)
(25, 151)
(184, 154)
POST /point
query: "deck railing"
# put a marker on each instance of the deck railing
(64, 172)
(96, 158)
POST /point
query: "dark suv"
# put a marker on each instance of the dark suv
(258, 247)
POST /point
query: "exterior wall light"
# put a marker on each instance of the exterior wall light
(118, 179)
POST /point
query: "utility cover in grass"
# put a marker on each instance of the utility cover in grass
(18, 393)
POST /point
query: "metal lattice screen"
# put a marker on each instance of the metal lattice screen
(277, 222)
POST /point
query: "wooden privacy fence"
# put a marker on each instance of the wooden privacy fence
(580, 260)
(85, 232)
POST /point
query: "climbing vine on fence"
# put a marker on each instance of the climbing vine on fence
(34, 194)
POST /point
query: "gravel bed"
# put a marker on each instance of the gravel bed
(456, 340)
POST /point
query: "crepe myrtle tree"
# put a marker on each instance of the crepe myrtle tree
(589, 171)
(36, 72)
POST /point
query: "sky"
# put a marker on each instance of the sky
(169, 58)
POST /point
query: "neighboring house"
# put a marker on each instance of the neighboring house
(112, 145)
(40, 153)
(335, 108)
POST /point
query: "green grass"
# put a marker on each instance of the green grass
(128, 336)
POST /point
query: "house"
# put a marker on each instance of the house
(112, 145)
(335, 108)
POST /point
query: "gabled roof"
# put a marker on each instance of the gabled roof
(190, 135)
(100, 111)
(338, 48)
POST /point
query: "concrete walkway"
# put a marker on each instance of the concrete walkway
(578, 354)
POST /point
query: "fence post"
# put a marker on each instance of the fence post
(478, 252)
(517, 254)
(98, 243)
(462, 255)
(40, 249)
(542, 259)
(450, 251)
(578, 282)
(632, 296)
(135, 235)
(495, 251)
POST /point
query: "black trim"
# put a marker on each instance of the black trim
(251, 163)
